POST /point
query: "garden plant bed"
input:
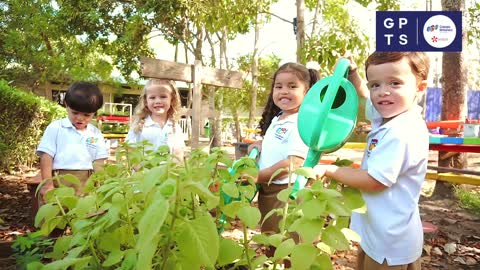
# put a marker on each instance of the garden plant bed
(455, 245)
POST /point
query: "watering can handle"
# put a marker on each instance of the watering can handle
(253, 153)
(340, 72)
(313, 156)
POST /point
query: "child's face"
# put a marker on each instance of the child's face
(288, 92)
(78, 119)
(159, 98)
(393, 87)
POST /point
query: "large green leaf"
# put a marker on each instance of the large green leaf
(148, 229)
(113, 258)
(308, 229)
(313, 208)
(231, 209)
(152, 177)
(85, 205)
(338, 208)
(46, 212)
(210, 199)
(250, 216)
(303, 256)
(333, 237)
(284, 249)
(198, 241)
(229, 251)
(353, 198)
(231, 189)
(322, 262)
(306, 172)
(66, 263)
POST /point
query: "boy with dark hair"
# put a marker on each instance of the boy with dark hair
(71, 145)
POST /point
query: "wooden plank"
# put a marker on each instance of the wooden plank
(162, 69)
(470, 148)
(454, 178)
(222, 77)
(197, 103)
(453, 170)
(354, 145)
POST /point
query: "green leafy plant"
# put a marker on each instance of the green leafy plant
(152, 211)
(29, 249)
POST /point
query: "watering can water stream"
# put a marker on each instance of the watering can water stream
(327, 117)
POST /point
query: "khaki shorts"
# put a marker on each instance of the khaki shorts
(267, 200)
(82, 175)
(364, 262)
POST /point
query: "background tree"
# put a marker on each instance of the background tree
(454, 82)
(39, 41)
(240, 101)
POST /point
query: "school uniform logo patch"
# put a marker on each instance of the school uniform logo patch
(280, 133)
(92, 140)
(372, 145)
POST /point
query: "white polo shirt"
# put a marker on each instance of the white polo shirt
(280, 141)
(72, 149)
(397, 157)
(158, 136)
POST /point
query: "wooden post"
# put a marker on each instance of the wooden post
(196, 74)
(197, 102)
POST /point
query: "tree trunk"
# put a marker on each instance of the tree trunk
(300, 30)
(236, 119)
(254, 89)
(454, 82)
(316, 15)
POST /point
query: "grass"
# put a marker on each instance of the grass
(469, 199)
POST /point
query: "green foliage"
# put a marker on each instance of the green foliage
(24, 117)
(381, 5)
(158, 216)
(335, 38)
(469, 199)
(473, 25)
(46, 42)
(30, 249)
(240, 99)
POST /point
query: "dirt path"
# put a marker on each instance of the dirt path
(455, 244)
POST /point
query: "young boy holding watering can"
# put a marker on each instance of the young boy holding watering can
(394, 163)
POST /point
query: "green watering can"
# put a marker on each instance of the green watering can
(227, 199)
(327, 117)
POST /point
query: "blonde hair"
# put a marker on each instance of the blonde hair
(141, 110)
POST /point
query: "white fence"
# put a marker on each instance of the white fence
(186, 125)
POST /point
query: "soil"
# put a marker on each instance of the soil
(455, 244)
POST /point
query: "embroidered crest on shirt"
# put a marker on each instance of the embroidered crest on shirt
(280, 133)
(371, 145)
(92, 140)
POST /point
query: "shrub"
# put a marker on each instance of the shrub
(158, 216)
(24, 117)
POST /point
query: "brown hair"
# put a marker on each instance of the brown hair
(308, 76)
(418, 61)
(142, 111)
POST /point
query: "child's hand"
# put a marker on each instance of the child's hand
(353, 66)
(257, 144)
(321, 170)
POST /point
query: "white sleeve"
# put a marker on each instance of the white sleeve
(102, 151)
(296, 146)
(131, 136)
(48, 143)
